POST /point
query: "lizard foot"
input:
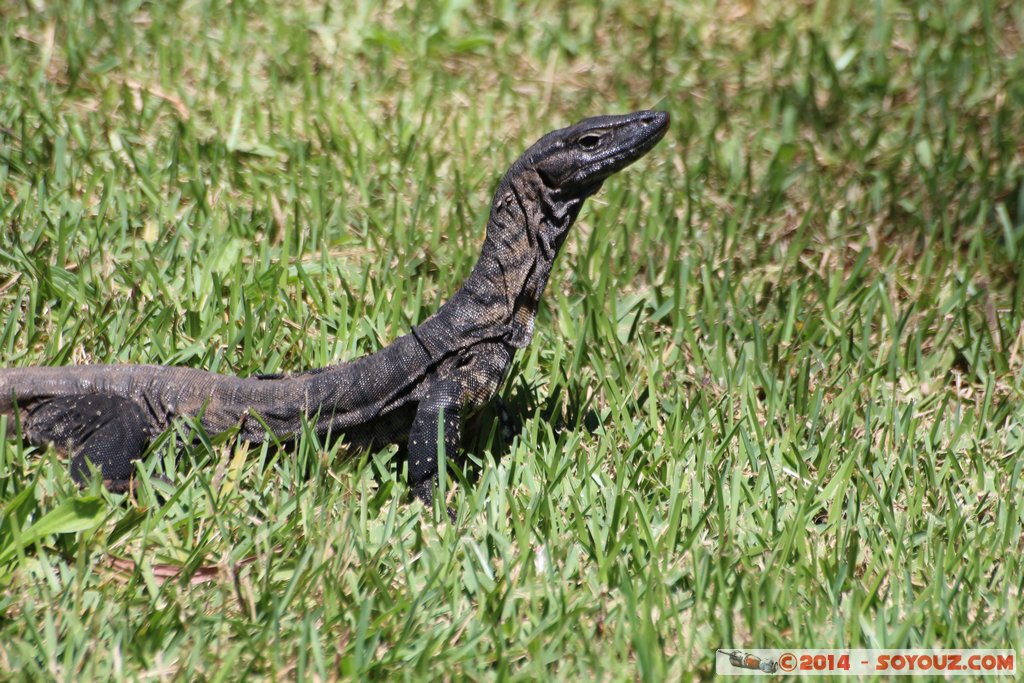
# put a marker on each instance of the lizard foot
(509, 422)
(425, 492)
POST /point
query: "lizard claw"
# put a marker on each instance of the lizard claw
(510, 423)
(425, 492)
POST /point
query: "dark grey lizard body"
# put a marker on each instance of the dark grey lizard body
(452, 364)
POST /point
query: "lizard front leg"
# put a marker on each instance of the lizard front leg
(458, 391)
(441, 406)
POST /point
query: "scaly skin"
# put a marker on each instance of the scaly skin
(452, 364)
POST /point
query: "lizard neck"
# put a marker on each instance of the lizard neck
(528, 224)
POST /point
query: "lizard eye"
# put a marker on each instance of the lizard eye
(589, 141)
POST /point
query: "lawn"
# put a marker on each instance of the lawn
(775, 398)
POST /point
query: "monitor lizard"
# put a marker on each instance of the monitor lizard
(423, 385)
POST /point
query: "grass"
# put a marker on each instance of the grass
(774, 400)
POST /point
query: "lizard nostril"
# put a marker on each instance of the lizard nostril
(653, 118)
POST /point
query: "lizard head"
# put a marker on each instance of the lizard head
(577, 159)
(535, 205)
